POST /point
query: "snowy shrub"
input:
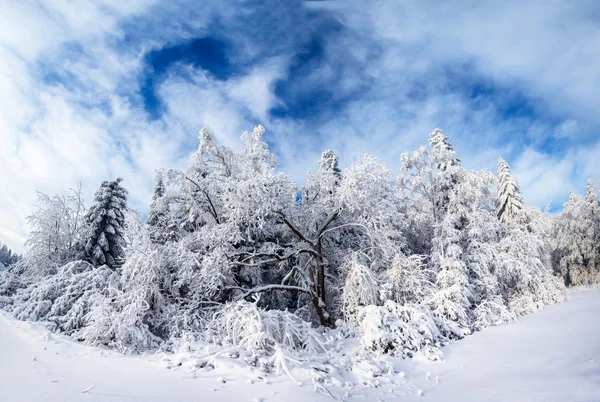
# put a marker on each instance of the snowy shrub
(408, 280)
(9, 284)
(397, 330)
(260, 331)
(119, 325)
(63, 300)
(131, 318)
(361, 287)
(489, 313)
(526, 272)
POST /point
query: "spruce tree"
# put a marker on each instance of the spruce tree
(510, 201)
(105, 241)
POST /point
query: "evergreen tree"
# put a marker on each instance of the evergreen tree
(510, 201)
(105, 243)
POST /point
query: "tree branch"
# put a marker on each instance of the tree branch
(293, 229)
(332, 218)
(213, 211)
(267, 288)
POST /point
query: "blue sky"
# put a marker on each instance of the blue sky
(104, 89)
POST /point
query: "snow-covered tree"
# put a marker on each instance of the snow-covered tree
(8, 257)
(510, 201)
(235, 254)
(106, 218)
(57, 232)
(592, 245)
(576, 252)
(443, 154)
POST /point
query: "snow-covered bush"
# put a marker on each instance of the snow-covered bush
(409, 280)
(361, 287)
(63, 300)
(130, 317)
(9, 285)
(489, 313)
(261, 331)
(398, 330)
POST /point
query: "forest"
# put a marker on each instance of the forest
(363, 260)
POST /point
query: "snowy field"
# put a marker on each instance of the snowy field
(550, 356)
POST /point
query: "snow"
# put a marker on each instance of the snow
(550, 356)
(37, 366)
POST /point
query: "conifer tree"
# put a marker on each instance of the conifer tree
(105, 242)
(510, 201)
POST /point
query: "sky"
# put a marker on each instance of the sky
(96, 89)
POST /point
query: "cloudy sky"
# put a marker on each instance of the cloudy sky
(105, 88)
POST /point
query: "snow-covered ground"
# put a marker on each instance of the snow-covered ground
(550, 356)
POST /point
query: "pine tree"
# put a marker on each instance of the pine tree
(510, 201)
(105, 242)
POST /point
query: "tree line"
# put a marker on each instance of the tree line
(235, 253)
